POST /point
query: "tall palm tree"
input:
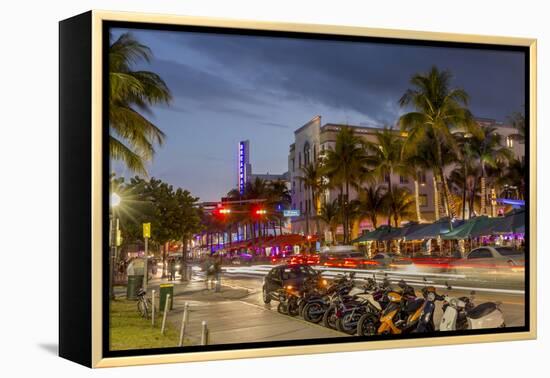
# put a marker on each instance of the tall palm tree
(400, 203)
(312, 180)
(131, 94)
(386, 156)
(372, 203)
(514, 175)
(517, 120)
(489, 151)
(346, 165)
(438, 111)
(280, 197)
(330, 214)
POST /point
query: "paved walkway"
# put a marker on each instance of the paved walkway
(231, 319)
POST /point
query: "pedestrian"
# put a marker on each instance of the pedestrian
(210, 272)
(172, 268)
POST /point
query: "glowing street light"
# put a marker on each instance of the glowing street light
(115, 200)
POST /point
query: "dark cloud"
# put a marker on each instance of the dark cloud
(358, 76)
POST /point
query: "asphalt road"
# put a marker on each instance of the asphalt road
(237, 314)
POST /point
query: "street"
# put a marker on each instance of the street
(237, 313)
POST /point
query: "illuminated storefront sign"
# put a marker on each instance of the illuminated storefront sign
(291, 213)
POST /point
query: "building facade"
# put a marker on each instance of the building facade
(313, 138)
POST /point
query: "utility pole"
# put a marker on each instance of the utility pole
(146, 236)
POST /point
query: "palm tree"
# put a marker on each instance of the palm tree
(489, 151)
(400, 203)
(345, 166)
(517, 120)
(330, 214)
(312, 180)
(386, 156)
(372, 203)
(438, 111)
(281, 197)
(132, 93)
(514, 176)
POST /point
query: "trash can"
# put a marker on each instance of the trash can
(166, 289)
(134, 283)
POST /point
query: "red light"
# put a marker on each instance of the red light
(261, 212)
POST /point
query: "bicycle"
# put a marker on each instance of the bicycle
(144, 304)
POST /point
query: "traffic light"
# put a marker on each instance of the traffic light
(261, 212)
(221, 211)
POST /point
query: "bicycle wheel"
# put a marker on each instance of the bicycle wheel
(143, 308)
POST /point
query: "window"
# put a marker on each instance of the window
(509, 142)
(307, 151)
(314, 153)
(299, 160)
(481, 253)
(423, 200)
(422, 178)
(292, 162)
(403, 179)
(293, 187)
(301, 209)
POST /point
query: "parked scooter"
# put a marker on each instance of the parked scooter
(461, 314)
(401, 315)
(426, 321)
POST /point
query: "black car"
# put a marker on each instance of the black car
(283, 276)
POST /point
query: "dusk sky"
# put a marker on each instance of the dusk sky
(229, 88)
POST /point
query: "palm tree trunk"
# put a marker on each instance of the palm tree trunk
(483, 194)
(346, 205)
(436, 197)
(417, 201)
(464, 191)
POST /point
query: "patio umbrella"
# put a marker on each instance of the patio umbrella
(432, 230)
(373, 235)
(511, 223)
(472, 228)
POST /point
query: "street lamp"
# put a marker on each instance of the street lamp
(115, 200)
(113, 233)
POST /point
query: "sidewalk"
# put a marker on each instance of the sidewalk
(231, 320)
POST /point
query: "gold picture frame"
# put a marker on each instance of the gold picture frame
(96, 20)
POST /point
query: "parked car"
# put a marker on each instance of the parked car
(491, 258)
(283, 276)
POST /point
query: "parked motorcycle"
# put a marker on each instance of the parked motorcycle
(461, 314)
(317, 304)
(370, 299)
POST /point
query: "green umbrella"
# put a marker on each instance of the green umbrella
(373, 235)
(511, 223)
(472, 228)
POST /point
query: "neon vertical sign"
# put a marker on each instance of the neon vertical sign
(242, 167)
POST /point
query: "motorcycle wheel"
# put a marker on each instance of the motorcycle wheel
(313, 312)
(343, 325)
(293, 310)
(265, 296)
(367, 325)
(329, 318)
(282, 309)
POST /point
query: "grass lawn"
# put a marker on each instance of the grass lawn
(130, 331)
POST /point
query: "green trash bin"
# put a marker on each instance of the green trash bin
(166, 289)
(134, 283)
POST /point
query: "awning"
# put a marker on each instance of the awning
(432, 230)
(472, 228)
(511, 223)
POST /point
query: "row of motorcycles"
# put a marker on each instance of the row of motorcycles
(378, 308)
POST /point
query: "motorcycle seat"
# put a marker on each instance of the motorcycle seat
(482, 310)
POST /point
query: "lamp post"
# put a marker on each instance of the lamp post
(113, 231)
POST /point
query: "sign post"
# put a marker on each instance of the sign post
(146, 236)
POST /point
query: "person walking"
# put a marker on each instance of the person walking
(172, 269)
(210, 268)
